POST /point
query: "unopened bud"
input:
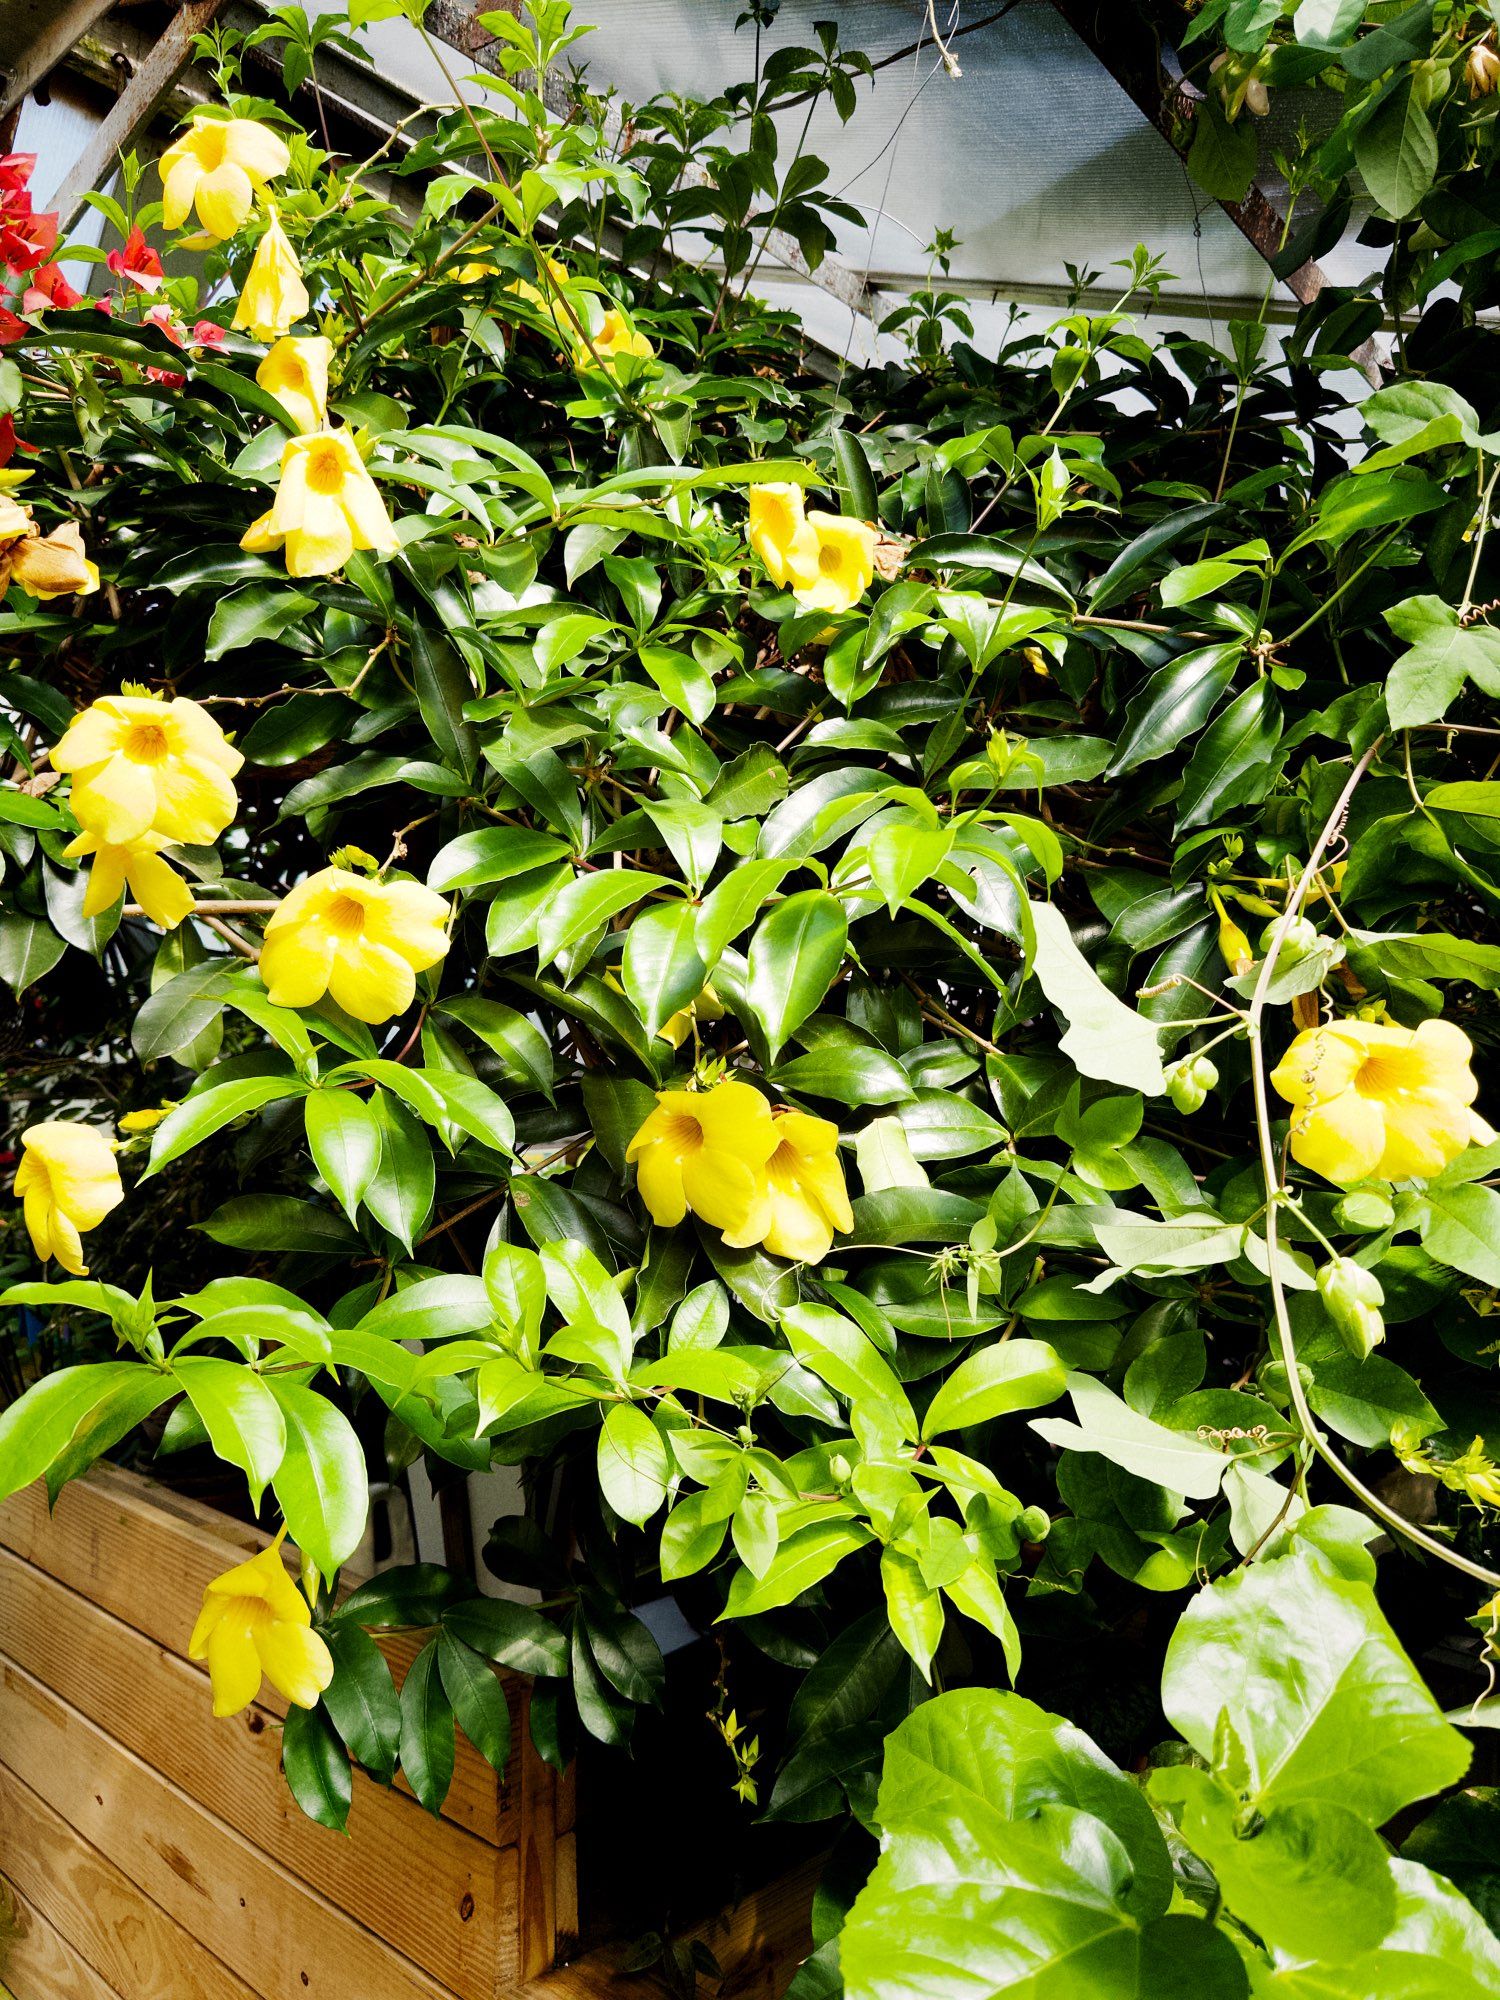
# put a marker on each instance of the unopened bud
(1189, 1081)
(1352, 1298)
(1483, 69)
(1301, 938)
(1257, 98)
(1033, 1524)
(1364, 1210)
(1234, 946)
(840, 1471)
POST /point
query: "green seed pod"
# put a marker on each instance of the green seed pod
(1301, 938)
(1365, 1210)
(1034, 1524)
(1352, 1298)
(1184, 1088)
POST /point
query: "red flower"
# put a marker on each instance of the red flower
(10, 444)
(208, 333)
(12, 329)
(26, 240)
(170, 378)
(137, 261)
(161, 316)
(49, 287)
(15, 171)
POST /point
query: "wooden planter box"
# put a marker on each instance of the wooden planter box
(149, 1852)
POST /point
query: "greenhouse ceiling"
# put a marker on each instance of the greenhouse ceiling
(993, 120)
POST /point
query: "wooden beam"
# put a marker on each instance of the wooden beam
(55, 25)
(133, 108)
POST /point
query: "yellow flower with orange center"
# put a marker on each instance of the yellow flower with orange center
(255, 1623)
(326, 507)
(142, 766)
(362, 941)
(845, 566)
(68, 1182)
(781, 534)
(1375, 1100)
(706, 1151)
(809, 1198)
(218, 166)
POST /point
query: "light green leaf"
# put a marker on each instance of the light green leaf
(1105, 1038)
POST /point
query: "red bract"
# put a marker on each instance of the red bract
(137, 261)
(161, 316)
(49, 287)
(26, 240)
(10, 444)
(12, 329)
(15, 171)
(207, 333)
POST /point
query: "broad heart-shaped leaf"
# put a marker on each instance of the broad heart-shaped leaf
(240, 1414)
(1441, 656)
(1011, 1375)
(1105, 1038)
(1439, 1948)
(795, 953)
(1006, 1756)
(633, 1464)
(321, 1484)
(1325, 1704)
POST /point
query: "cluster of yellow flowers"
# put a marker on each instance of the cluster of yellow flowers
(756, 1175)
(826, 560)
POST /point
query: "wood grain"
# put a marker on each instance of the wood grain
(454, 1916)
(37, 1962)
(139, 1952)
(146, 1555)
(281, 1936)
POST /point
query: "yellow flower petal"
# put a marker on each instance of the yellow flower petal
(845, 564)
(224, 198)
(234, 1669)
(297, 1663)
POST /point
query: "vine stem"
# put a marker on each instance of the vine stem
(1276, 1195)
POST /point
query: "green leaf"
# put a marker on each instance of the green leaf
(794, 956)
(633, 1465)
(279, 1222)
(844, 1357)
(512, 1634)
(262, 611)
(317, 1767)
(29, 948)
(524, 1051)
(1441, 656)
(587, 904)
(321, 1484)
(443, 685)
(1117, 580)
(1174, 704)
(1105, 1038)
(493, 854)
(1011, 1375)
(845, 1072)
(1325, 1704)
(39, 1424)
(1106, 1425)
(802, 1561)
(343, 1135)
(1396, 151)
(478, 1699)
(361, 1699)
(915, 1612)
(207, 1111)
(1233, 762)
(242, 1417)
(427, 1737)
(1461, 1227)
(661, 968)
(1223, 157)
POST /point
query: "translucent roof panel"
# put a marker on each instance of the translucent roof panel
(1034, 157)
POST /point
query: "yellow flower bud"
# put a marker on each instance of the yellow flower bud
(274, 297)
(295, 372)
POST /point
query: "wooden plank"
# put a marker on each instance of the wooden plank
(47, 30)
(37, 1962)
(137, 1949)
(538, 1870)
(282, 1937)
(451, 1916)
(147, 1555)
(132, 109)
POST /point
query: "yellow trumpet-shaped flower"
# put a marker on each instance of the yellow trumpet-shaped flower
(45, 566)
(809, 1200)
(255, 1622)
(217, 167)
(707, 1151)
(1370, 1099)
(326, 507)
(845, 564)
(782, 536)
(677, 1027)
(296, 373)
(273, 297)
(362, 941)
(68, 1182)
(544, 298)
(142, 766)
(615, 336)
(138, 866)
